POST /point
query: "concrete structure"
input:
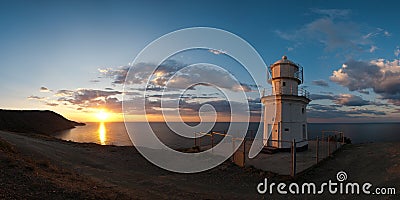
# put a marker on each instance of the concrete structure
(285, 116)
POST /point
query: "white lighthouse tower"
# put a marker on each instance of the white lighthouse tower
(289, 104)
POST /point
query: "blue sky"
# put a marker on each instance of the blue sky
(65, 46)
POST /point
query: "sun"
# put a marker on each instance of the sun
(102, 115)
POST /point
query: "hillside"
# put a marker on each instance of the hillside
(34, 121)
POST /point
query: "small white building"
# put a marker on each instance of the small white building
(288, 103)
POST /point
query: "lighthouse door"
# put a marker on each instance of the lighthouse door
(269, 133)
(276, 134)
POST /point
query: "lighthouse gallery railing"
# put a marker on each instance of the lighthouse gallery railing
(300, 92)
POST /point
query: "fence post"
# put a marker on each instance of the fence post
(293, 158)
(233, 149)
(343, 137)
(335, 143)
(195, 140)
(329, 146)
(244, 152)
(317, 149)
(212, 141)
(200, 141)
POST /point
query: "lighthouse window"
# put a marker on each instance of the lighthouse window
(284, 83)
(286, 129)
(302, 110)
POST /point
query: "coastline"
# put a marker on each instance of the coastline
(129, 175)
(35, 121)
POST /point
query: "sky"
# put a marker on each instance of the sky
(72, 57)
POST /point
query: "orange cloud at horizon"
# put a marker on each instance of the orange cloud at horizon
(92, 116)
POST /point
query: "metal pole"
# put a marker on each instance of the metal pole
(317, 149)
(329, 146)
(200, 141)
(244, 152)
(233, 149)
(293, 158)
(212, 141)
(335, 143)
(343, 137)
(195, 140)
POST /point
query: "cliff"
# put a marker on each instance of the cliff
(34, 121)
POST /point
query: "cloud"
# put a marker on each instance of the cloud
(363, 91)
(175, 75)
(382, 76)
(396, 111)
(62, 93)
(113, 104)
(91, 98)
(373, 48)
(243, 87)
(334, 35)
(51, 104)
(207, 75)
(222, 107)
(397, 51)
(350, 100)
(32, 97)
(321, 83)
(170, 74)
(140, 73)
(217, 52)
(117, 74)
(343, 99)
(321, 97)
(376, 32)
(332, 111)
(189, 104)
(335, 32)
(185, 96)
(326, 31)
(44, 89)
(333, 13)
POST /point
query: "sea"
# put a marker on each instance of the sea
(115, 133)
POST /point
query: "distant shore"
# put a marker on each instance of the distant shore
(35, 121)
(79, 170)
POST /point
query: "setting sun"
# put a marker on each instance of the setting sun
(102, 115)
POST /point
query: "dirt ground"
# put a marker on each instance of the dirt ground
(43, 167)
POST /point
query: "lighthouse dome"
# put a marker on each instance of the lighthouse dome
(284, 60)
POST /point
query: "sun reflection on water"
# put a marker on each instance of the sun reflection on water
(102, 133)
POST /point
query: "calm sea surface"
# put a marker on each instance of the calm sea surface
(114, 133)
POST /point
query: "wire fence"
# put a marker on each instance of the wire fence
(303, 154)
